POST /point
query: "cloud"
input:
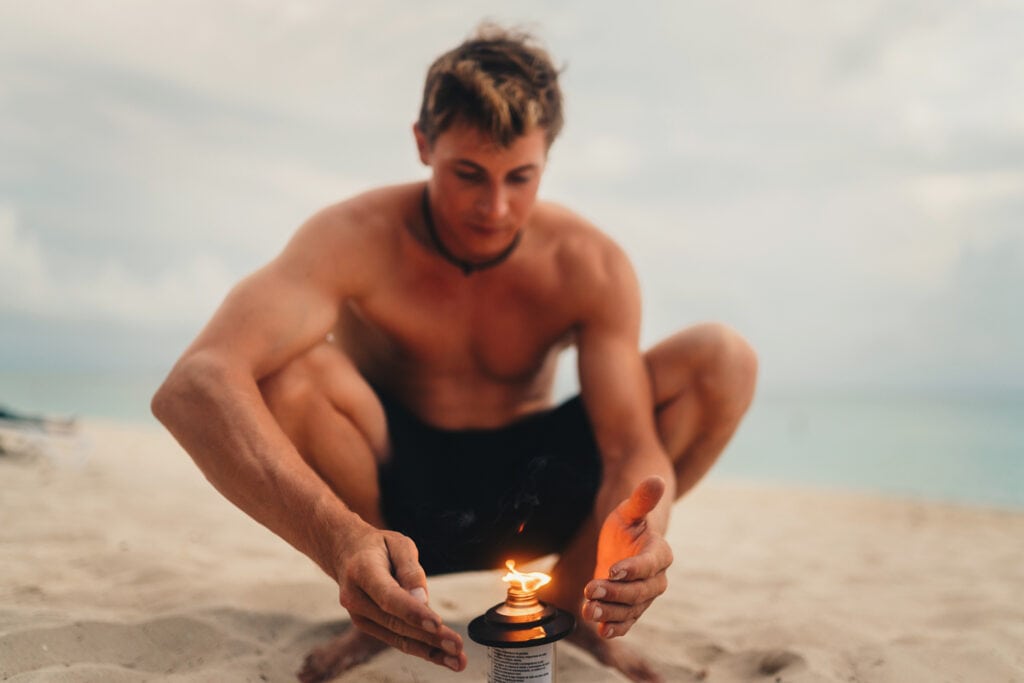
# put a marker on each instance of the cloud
(142, 180)
(819, 175)
(185, 292)
(603, 158)
(946, 196)
(23, 277)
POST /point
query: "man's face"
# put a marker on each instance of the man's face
(482, 193)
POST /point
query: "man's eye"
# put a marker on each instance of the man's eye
(518, 180)
(468, 175)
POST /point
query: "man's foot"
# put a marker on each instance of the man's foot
(615, 654)
(339, 655)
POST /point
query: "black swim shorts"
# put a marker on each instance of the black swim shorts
(471, 499)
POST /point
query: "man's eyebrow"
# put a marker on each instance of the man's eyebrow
(477, 167)
(524, 168)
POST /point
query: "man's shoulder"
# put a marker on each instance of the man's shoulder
(579, 244)
(553, 216)
(368, 215)
(348, 243)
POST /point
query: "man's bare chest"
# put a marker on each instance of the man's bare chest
(504, 334)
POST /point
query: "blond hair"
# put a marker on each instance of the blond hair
(500, 81)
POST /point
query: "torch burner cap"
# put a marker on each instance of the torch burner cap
(508, 626)
(522, 620)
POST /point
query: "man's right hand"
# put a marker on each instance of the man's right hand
(384, 589)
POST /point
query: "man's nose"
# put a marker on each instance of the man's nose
(493, 204)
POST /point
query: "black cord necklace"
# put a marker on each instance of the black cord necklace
(467, 267)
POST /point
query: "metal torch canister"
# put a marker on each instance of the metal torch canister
(520, 636)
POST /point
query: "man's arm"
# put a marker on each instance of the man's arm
(212, 404)
(638, 482)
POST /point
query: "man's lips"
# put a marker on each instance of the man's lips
(486, 229)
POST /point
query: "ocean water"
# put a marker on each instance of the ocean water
(109, 395)
(966, 448)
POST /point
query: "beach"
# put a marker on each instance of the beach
(119, 562)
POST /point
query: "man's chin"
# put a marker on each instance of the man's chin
(487, 244)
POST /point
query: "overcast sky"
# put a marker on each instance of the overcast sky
(843, 182)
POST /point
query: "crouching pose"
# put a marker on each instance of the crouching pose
(379, 395)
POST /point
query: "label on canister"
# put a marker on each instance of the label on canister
(521, 664)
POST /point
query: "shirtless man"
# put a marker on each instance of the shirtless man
(379, 394)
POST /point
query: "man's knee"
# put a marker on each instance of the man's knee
(316, 390)
(287, 393)
(710, 361)
(729, 374)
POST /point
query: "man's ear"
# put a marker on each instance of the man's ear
(422, 145)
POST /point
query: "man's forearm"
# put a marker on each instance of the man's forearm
(219, 417)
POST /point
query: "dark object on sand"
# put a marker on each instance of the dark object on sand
(18, 431)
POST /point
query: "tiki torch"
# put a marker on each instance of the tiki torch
(520, 633)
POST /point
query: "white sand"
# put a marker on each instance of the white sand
(126, 565)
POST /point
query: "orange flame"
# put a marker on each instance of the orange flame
(527, 582)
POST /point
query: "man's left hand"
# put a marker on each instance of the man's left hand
(631, 563)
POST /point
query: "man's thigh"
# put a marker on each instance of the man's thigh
(335, 421)
(324, 377)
